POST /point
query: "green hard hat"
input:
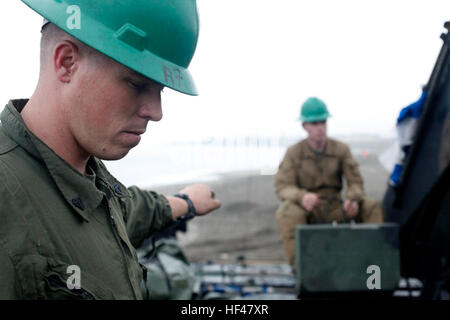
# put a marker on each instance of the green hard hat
(156, 38)
(314, 109)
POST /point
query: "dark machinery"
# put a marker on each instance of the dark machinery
(420, 203)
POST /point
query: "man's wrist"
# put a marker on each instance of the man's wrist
(191, 209)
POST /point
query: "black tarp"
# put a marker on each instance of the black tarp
(420, 203)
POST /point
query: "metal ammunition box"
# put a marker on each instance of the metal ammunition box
(347, 258)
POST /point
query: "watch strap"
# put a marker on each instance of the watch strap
(191, 209)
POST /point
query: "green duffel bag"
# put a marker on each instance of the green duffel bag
(169, 275)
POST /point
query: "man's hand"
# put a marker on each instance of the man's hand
(202, 197)
(351, 208)
(310, 200)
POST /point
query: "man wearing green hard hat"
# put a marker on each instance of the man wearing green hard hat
(309, 181)
(69, 229)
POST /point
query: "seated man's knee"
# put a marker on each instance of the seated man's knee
(288, 215)
(292, 212)
(371, 211)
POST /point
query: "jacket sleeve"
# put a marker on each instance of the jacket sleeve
(285, 183)
(146, 212)
(355, 189)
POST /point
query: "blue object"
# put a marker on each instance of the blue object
(414, 110)
(395, 176)
(406, 128)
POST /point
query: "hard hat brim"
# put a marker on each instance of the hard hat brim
(314, 118)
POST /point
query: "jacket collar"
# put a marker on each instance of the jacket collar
(308, 152)
(80, 191)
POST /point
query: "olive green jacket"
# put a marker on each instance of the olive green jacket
(54, 219)
(302, 170)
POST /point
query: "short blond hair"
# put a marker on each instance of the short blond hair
(52, 34)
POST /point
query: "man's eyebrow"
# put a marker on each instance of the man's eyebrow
(148, 81)
(144, 78)
(137, 74)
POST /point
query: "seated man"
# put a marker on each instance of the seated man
(309, 181)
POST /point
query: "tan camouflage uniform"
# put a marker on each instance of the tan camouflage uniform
(302, 170)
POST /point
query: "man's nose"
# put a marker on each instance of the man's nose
(322, 127)
(150, 107)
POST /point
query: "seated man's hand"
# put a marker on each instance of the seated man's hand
(310, 200)
(202, 197)
(351, 208)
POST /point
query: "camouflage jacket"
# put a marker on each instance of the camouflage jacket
(302, 170)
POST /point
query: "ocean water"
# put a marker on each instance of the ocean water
(189, 162)
(181, 162)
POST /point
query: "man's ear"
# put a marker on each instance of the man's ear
(65, 60)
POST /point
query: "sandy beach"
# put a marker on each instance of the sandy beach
(245, 224)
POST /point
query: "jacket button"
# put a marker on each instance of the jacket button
(77, 202)
(117, 189)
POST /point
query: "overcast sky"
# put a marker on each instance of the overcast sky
(258, 60)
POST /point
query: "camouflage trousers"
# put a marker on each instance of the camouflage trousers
(291, 214)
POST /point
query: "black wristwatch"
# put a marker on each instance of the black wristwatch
(191, 209)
